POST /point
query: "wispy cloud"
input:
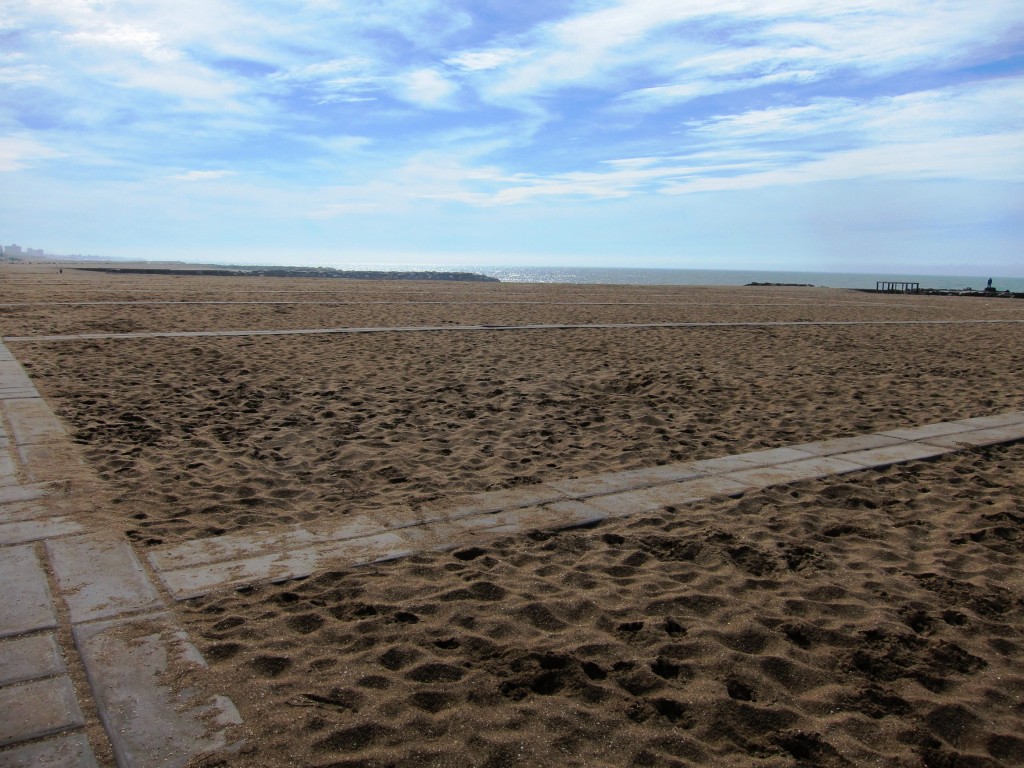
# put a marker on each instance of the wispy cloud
(954, 133)
(20, 152)
(145, 42)
(690, 49)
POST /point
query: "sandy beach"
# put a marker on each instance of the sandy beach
(875, 618)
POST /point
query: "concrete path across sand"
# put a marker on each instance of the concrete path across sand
(86, 639)
(537, 327)
(199, 567)
(318, 302)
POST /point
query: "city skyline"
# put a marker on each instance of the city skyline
(877, 136)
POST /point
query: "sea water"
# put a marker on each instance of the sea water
(630, 276)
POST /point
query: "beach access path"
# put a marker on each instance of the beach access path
(492, 328)
(94, 668)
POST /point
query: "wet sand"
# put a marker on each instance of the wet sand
(871, 619)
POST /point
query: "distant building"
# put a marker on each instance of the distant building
(38, 252)
(12, 250)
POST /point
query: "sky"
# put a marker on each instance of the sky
(824, 135)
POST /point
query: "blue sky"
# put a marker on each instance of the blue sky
(854, 136)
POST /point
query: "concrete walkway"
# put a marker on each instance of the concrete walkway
(373, 302)
(199, 567)
(85, 633)
(532, 327)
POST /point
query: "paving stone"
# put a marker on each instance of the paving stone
(227, 548)
(781, 474)
(191, 582)
(467, 529)
(527, 495)
(615, 482)
(18, 394)
(657, 497)
(847, 444)
(8, 469)
(927, 430)
(34, 530)
(773, 456)
(894, 454)
(571, 514)
(38, 708)
(998, 420)
(624, 504)
(46, 462)
(487, 503)
(149, 722)
(559, 515)
(26, 605)
(11, 494)
(13, 376)
(664, 473)
(690, 491)
(239, 546)
(453, 529)
(980, 437)
(598, 485)
(32, 421)
(721, 465)
(20, 511)
(466, 506)
(100, 577)
(28, 658)
(65, 751)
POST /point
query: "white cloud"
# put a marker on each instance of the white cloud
(20, 152)
(26, 74)
(146, 42)
(976, 158)
(686, 49)
(976, 109)
(479, 61)
(425, 87)
(965, 133)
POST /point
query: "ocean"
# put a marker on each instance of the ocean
(629, 276)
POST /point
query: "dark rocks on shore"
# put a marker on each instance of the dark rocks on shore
(299, 272)
(780, 285)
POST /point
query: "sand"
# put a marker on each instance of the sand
(872, 619)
